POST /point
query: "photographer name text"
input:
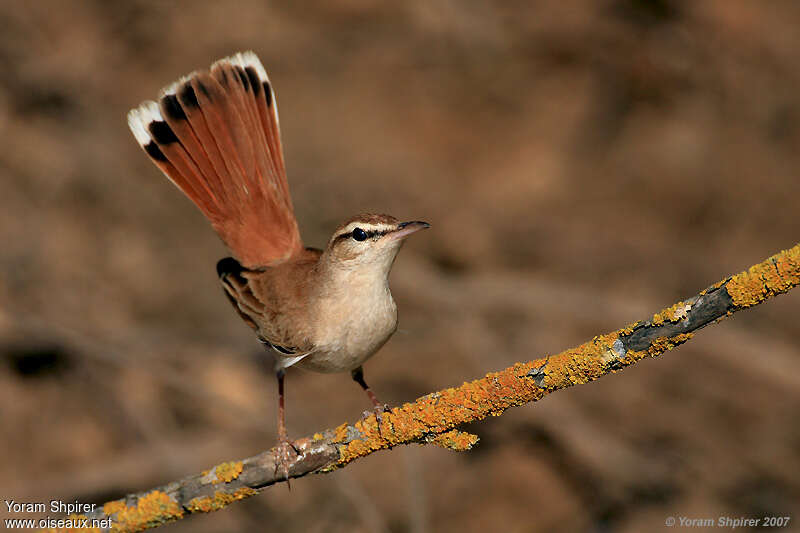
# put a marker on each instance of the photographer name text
(74, 509)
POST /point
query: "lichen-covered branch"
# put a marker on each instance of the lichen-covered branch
(435, 417)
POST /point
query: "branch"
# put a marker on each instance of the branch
(434, 417)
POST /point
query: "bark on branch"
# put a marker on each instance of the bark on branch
(434, 417)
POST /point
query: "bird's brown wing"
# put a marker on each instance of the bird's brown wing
(216, 136)
(271, 301)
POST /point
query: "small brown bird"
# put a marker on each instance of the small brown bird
(215, 134)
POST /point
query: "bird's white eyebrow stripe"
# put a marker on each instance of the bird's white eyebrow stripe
(370, 226)
(370, 230)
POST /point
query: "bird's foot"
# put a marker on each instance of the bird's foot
(285, 454)
(378, 411)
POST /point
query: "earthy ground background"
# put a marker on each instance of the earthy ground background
(583, 165)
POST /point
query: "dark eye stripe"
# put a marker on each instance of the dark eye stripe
(370, 234)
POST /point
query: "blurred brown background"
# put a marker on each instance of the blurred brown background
(583, 164)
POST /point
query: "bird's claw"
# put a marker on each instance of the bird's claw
(285, 454)
(378, 411)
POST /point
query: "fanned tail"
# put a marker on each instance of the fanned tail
(216, 136)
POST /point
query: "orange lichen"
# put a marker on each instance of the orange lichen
(577, 365)
(748, 288)
(114, 507)
(227, 472)
(674, 313)
(774, 276)
(152, 509)
(207, 504)
(433, 417)
(455, 440)
(787, 266)
(341, 433)
(663, 344)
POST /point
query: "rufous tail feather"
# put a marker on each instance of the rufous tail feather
(216, 136)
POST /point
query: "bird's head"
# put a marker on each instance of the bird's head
(369, 242)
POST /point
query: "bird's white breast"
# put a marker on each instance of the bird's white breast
(357, 321)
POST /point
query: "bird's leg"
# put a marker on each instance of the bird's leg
(378, 407)
(284, 449)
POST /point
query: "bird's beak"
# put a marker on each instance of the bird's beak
(404, 229)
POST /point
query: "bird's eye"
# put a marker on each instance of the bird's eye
(359, 234)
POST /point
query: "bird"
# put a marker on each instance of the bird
(215, 134)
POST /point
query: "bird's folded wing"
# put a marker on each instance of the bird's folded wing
(266, 312)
